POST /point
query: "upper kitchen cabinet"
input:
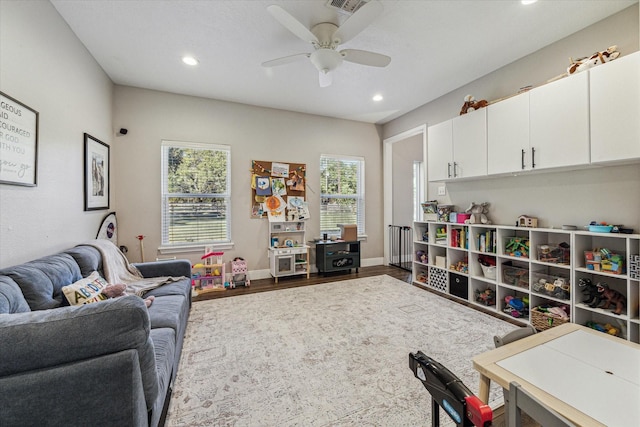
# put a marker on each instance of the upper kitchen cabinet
(457, 148)
(508, 135)
(615, 110)
(559, 123)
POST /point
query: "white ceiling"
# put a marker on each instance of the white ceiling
(435, 45)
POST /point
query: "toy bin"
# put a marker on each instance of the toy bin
(554, 254)
(555, 286)
(515, 276)
(543, 320)
(489, 271)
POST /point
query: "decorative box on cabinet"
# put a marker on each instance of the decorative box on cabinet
(337, 256)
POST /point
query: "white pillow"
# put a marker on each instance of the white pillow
(86, 291)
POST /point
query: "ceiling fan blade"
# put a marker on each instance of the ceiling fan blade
(285, 60)
(292, 24)
(358, 21)
(365, 57)
(325, 79)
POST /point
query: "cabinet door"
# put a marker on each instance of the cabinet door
(559, 123)
(440, 151)
(470, 144)
(508, 135)
(615, 110)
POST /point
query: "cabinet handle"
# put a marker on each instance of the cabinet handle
(455, 169)
(533, 157)
(448, 170)
(522, 160)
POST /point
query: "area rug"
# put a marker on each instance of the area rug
(332, 354)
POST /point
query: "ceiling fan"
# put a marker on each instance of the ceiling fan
(326, 37)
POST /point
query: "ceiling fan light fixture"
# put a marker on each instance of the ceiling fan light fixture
(326, 60)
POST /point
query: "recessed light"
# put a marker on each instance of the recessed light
(527, 2)
(189, 60)
(378, 98)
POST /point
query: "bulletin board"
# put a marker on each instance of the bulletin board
(278, 191)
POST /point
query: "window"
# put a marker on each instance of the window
(341, 193)
(196, 191)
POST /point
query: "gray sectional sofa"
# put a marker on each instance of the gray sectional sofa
(110, 363)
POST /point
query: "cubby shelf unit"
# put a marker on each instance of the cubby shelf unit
(555, 257)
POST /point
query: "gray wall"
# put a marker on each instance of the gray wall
(405, 152)
(605, 193)
(45, 67)
(254, 133)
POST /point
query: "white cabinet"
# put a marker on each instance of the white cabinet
(615, 110)
(508, 135)
(457, 148)
(288, 253)
(440, 151)
(544, 267)
(559, 123)
(470, 144)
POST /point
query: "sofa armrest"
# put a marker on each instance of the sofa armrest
(103, 391)
(49, 338)
(175, 268)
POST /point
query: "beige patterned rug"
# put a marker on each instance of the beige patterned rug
(334, 354)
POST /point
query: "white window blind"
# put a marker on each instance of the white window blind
(196, 191)
(341, 193)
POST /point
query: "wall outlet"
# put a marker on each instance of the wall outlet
(442, 191)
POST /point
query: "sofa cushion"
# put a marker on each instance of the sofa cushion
(86, 291)
(164, 344)
(11, 298)
(168, 312)
(41, 280)
(88, 259)
(181, 287)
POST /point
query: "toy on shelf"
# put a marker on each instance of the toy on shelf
(559, 288)
(486, 297)
(602, 259)
(607, 328)
(239, 272)
(207, 275)
(478, 213)
(590, 291)
(597, 58)
(527, 221)
(517, 247)
(460, 266)
(516, 307)
(470, 104)
(611, 296)
(422, 277)
(421, 256)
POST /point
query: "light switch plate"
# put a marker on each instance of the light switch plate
(442, 191)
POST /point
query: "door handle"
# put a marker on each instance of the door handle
(455, 169)
(522, 160)
(533, 157)
(448, 170)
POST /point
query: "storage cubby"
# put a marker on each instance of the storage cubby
(546, 271)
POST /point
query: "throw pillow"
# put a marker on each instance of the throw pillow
(86, 291)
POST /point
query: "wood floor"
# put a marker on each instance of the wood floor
(264, 285)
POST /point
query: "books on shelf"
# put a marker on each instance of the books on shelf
(459, 238)
(487, 241)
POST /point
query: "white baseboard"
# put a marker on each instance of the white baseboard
(266, 274)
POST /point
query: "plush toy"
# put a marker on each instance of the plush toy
(612, 296)
(478, 213)
(117, 290)
(597, 58)
(470, 104)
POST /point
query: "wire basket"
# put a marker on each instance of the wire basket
(543, 321)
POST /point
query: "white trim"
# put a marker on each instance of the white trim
(387, 174)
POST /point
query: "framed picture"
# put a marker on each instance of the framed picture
(96, 174)
(19, 135)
